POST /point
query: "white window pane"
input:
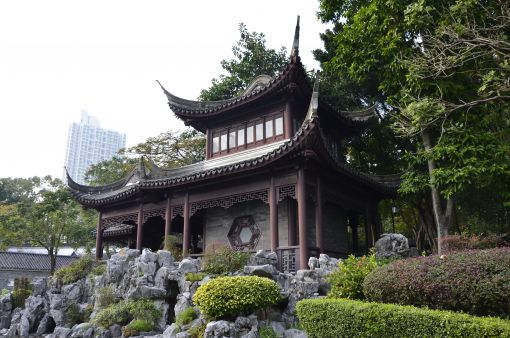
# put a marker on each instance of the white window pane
(240, 136)
(249, 134)
(224, 142)
(269, 128)
(278, 122)
(215, 144)
(232, 139)
(259, 132)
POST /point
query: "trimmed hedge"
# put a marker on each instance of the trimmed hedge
(350, 318)
(228, 296)
(475, 282)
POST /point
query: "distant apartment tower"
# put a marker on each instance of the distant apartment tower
(88, 143)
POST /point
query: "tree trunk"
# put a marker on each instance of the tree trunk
(442, 217)
(53, 260)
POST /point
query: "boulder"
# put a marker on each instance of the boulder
(277, 327)
(116, 330)
(62, 332)
(328, 263)
(39, 286)
(146, 292)
(83, 330)
(165, 259)
(148, 256)
(171, 331)
(392, 245)
(265, 270)
(313, 262)
(188, 265)
(220, 328)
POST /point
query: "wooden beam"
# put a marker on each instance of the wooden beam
(99, 237)
(318, 217)
(303, 242)
(273, 216)
(186, 230)
(139, 229)
(287, 120)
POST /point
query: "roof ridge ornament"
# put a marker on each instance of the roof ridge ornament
(294, 52)
(314, 101)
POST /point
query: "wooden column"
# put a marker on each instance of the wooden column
(273, 216)
(186, 230)
(287, 121)
(301, 197)
(139, 229)
(168, 218)
(291, 213)
(99, 237)
(318, 217)
(208, 144)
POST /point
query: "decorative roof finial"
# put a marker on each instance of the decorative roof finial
(294, 52)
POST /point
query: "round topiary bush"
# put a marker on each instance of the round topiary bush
(228, 296)
(476, 282)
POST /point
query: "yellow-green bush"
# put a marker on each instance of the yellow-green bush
(227, 296)
(334, 318)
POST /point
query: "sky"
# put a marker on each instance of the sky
(59, 57)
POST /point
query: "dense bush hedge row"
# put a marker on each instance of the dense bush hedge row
(228, 296)
(334, 318)
(476, 282)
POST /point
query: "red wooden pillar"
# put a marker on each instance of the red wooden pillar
(186, 230)
(301, 197)
(168, 218)
(99, 237)
(139, 229)
(273, 216)
(208, 143)
(318, 217)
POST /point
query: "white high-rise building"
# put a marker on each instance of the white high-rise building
(88, 143)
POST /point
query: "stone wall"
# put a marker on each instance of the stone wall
(219, 220)
(7, 277)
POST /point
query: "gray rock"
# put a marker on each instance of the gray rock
(277, 327)
(72, 292)
(219, 328)
(182, 335)
(165, 259)
(58, 317)
(62, 332)
(32, 314)
(392, 245)
(39, 286)
(182, 303)
(171, 331)
(242, 323)
(103, 333)
(146, 292)
(44, 325)
(313, 263)
(266, 270)
(328, 263)
(306, 275)
(188, 265)
(294, 333)
(83, 330)
(5, 321)
(148, 256)
(24, 327)
(116, 330)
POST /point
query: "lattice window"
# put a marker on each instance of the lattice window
(227, 202)
(177, 210)
(114, 220)
(286, 191)
(153, 213)
(244, 233)
(288, 261)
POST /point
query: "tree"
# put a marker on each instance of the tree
(429, 64)
(49, 219)
(109, 171)
(252, 58)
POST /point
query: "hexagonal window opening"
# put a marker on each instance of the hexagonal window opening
(244, 233)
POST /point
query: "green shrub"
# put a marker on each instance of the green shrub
(195, 276)
(347, 281)
(74, 271)
(186, 316)
(140, 325)
(4, 292)
(105, 296)
(476, 282)
(223, 260)
(453, 243)
(87, 312)
(228, 296)
(99, 270)
(122, 312)
(73, 315)
(267, 332)
(197, 331)
(334, 318)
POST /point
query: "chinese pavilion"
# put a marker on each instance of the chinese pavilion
(274, 177)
